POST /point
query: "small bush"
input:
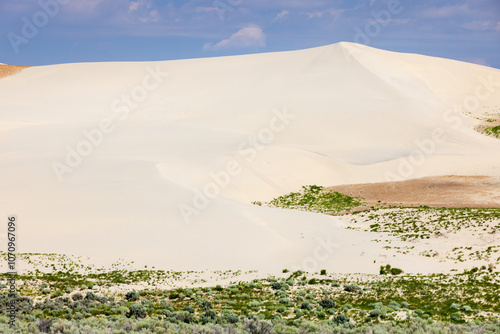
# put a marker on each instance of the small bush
(307, 306)
(131, 296)
(341, 319)
(205, 305)
(188, 308)
(56, 294)
(327, 303)
(136, 311)
(396, 271)
(352, 288)
(76, 296)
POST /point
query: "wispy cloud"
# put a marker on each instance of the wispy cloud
(334, 13)
(281, 15)
(249, 36)
(446, 11)
(481, 25)
(143, 12)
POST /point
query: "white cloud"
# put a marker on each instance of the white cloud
(281, 15)
(372, 2)
(497, 28)
(335, 13)
(133, 6)
(480, 25)
(250, 36)
(141, 9)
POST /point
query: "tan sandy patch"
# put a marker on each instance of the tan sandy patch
(7, 70)
(438, 191)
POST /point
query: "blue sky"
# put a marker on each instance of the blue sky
(40, 32)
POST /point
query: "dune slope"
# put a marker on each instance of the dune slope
(158, 162)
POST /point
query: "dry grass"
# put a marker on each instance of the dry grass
(8, 70)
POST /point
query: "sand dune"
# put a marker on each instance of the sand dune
(155, 138)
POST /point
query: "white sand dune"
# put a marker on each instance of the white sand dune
(357, 115)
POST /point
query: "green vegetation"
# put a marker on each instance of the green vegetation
(332, 300)
(492, 131)
(315, 199)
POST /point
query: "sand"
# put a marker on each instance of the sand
(212, 135)
(436, 191)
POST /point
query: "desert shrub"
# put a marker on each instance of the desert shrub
(44, 325)
(321, 315)
(352, 288)
(131, 296)
(46, 291)
(455, 306)
(279, 286)
(335, 284)
(231, 318)
(395, 305)
(341, 319)
(185, 317)
(307, 306)
(284, 300)
(56, 294)
(327, 303)
(188, 308)
(281, 309)
(331, 311)
(68, 290)
(208, 317)
(76, 296)
(91, 296)
(466, 308)
(205, 305)
(254, 304)
(281, 294)
(375, 313)
(323, 272)
(396, 271)
(136, 311)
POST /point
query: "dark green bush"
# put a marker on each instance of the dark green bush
(136, 311)
(307, 306)
(131, 296)
(341, 319)
(205, 305)
(327, 303)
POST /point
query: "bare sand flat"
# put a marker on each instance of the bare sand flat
(437, 191)
(8, 70)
